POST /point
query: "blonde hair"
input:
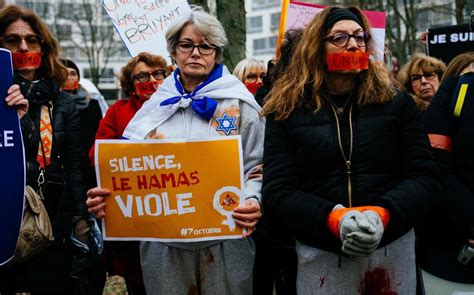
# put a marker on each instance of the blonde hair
(245, 66)
(418, 62)
(307, 73)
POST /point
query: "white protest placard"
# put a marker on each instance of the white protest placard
(142, 24)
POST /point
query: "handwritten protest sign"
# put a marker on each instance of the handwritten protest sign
(163, 190)
(12, 157)
(299, 14)
(142, 24)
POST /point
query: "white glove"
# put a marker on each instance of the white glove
(353, 221)
(365, 242)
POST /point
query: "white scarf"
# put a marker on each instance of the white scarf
(152, 114)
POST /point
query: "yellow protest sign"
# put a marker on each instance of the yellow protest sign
(164, 190)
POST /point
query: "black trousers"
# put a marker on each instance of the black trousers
(275, 266)
(49, 272)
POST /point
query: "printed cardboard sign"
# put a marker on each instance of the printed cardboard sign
(165, 190)
(12, 157)
(446, 43)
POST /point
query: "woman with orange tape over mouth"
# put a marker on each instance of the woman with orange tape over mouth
(348, 168)
(50, 130)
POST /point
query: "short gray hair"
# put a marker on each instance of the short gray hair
(207, 25)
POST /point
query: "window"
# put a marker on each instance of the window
(69, 52)
(63, 32)
(263, 4)
(264, 45)
(84, 10)
(274, 21)
(120, 54)
(107, 77)
(81, 55)
(66, 10)
(423, 19)
(442, 15)
(254, 24)
(39, 7)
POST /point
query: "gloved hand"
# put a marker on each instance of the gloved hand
(359, 228)
(365, 242)
(342, 221)
(353, 221)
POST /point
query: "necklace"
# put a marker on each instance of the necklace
(339, 109)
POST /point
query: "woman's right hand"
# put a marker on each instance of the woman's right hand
(16, 98)
(95, 201)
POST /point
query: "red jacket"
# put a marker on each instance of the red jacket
(122, 257)
(116, 120)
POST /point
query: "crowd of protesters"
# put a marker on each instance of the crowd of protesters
(356, 180)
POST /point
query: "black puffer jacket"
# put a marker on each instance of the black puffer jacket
(305, 174)
(65, 155)
(450, 223)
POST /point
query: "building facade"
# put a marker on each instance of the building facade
(86, 36)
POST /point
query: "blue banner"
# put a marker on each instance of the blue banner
(12, 159)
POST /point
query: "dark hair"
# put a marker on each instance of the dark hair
(51, 67)
(459, 63)
(287, 48)
(152, 60)
(70, 64)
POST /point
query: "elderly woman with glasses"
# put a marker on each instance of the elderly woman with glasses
(189, 104)
(348, 168)
(421, 77)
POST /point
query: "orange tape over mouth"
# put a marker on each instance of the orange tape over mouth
(71, 86)
(22, 60)
(348, 61)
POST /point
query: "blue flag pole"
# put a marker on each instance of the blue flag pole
(12, 159)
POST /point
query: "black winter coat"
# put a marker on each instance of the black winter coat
(305, 173)
(65, 155)
(451, 221)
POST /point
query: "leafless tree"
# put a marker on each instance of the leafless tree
(231, 13)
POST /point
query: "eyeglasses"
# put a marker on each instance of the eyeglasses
(13, 41)
(188, 47)
(341, 39)
(254, 77)
(145, 77)
(428, 76)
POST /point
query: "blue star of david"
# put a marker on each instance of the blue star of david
(226, 124)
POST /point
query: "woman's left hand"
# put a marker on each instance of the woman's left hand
(247, 215)
(15, 98)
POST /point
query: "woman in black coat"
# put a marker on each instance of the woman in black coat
(446, 239)
(52, 155)
(347, 165)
